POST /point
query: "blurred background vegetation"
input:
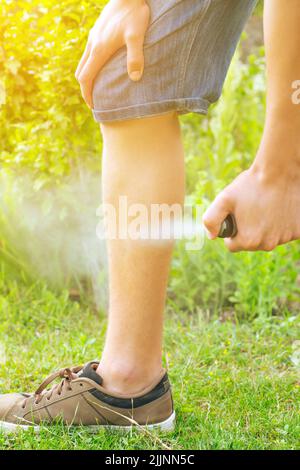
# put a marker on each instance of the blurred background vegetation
(50, 170)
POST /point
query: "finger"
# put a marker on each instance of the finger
(237, 244)
(289, 236)
(234, 245)
(216, 214)
(248, 244)
(96, 60)
(135, 57)
(83, 60)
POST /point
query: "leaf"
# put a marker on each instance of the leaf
(2, 94)
(13, 66)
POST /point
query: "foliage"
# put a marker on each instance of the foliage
(44, 126)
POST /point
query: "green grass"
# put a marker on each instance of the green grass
(236, 384)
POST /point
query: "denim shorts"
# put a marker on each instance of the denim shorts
(188, 49)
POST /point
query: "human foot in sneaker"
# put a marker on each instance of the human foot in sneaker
(80, 399)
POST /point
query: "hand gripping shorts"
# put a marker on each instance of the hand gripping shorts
(188, 49)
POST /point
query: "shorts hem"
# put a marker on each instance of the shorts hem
(182, 106)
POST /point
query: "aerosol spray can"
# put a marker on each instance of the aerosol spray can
(228, 228)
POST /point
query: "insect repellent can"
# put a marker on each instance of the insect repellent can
(228, 227)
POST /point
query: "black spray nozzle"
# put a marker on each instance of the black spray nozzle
(228, 227)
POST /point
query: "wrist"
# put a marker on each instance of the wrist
(278, 156)
(274, 176)
(274, 171)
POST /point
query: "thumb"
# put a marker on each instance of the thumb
(135, 57)
(216, 214)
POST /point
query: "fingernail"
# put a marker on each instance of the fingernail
(135, 76)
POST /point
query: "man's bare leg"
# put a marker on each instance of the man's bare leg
(143, 160)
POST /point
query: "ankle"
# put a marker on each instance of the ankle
(125, 378)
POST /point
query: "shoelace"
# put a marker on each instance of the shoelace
(67, 374)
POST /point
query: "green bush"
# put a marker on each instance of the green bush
(44, 127)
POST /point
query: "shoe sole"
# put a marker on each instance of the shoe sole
(166, 426)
